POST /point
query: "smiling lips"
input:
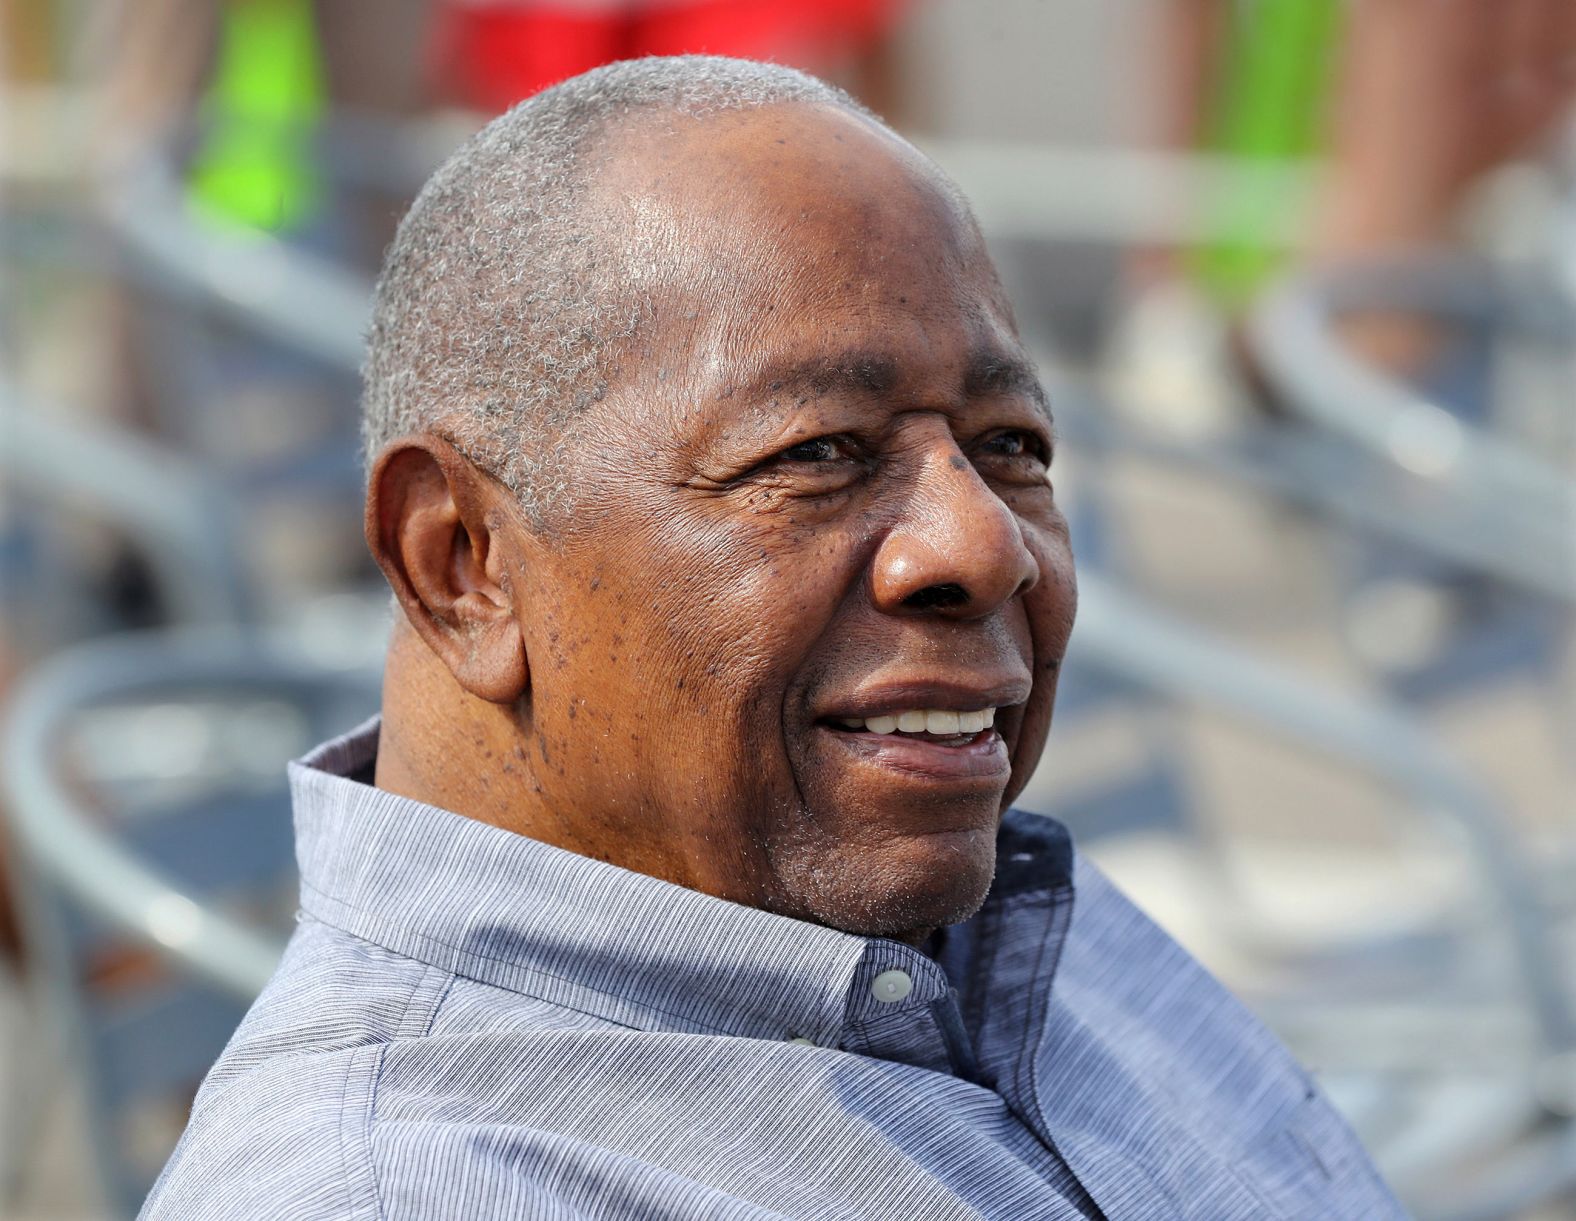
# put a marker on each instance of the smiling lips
(928, 744)
(932, 723)
(938, 744)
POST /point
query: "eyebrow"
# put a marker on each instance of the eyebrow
(994, 372)
(864, 372)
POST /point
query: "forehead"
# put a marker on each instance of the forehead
(776, 163)
(791, 234)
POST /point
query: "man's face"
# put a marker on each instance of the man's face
(798, 645)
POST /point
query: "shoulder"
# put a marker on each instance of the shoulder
(1169, 1023)
(287, 1140)
(1124, 974)
(332, 992)
(281, 1124)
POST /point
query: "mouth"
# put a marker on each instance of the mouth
(937, 744)
(940, 726)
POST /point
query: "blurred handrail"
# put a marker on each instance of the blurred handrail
(50, 824)
(1304, 466)
(1120, 634)
(1295, 343)
(165, 503)
(305, 301)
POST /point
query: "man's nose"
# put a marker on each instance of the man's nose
(957, 550)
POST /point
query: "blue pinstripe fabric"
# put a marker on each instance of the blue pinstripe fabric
(468, 1023)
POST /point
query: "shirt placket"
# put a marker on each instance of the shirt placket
(901, 1008)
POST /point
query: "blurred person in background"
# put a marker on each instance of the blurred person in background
(486, 55)
(1408, 105)
(679, 876)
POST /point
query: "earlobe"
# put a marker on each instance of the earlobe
(440, 530)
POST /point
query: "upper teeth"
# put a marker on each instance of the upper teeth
(925, 720)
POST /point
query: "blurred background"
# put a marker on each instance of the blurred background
(1301, 277)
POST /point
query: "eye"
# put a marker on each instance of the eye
(816, 449)
(1017, 444)
(815, 466)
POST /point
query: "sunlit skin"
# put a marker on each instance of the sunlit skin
(817, 489)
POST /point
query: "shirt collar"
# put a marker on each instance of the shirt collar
(511, 911)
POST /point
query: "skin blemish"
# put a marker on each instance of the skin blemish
(958, 462)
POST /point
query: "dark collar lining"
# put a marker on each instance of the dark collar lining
(1033, 852)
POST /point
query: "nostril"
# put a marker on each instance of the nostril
(937, 597)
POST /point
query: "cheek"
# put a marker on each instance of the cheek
(1052, 606)
(731, 609)
(716, 618)
(1053, 603)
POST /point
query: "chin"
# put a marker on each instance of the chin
(919, 883)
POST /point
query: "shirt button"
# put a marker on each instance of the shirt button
(803, 1042)
(891, 986)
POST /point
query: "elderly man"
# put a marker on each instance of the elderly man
(713, 485)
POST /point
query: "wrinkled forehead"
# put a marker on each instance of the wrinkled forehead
(795, 198)
(781, 225)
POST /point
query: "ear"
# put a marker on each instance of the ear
(440, 529)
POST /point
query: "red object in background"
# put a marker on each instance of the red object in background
(490, 55)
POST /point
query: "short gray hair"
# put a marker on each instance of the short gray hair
(501, 302)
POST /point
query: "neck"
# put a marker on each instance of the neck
(445, 747)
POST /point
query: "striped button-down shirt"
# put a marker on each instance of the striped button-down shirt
(469, 1023)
